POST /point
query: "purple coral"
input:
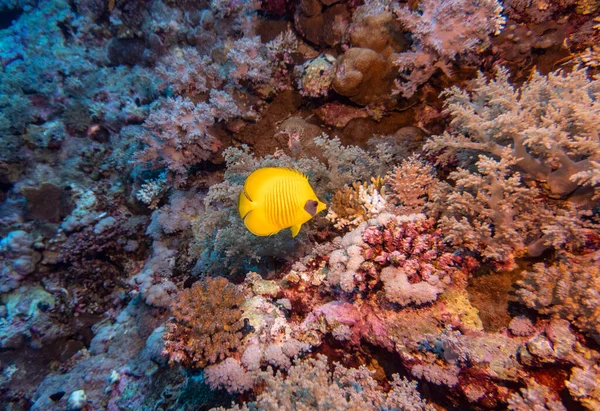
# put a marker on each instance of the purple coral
(177, 135)
(443, 31)
(248, 57)
(182, 71)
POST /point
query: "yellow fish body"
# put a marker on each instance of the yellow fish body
(276, 198)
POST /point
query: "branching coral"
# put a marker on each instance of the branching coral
(492, 211)
(549, 125)
(207, 323)
(280, 53)
(224, 106)
(151, 191)
(250, 65)
(411, 185)
(181, 70)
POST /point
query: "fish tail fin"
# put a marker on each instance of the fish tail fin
(244, 204)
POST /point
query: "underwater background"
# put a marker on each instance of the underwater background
(455, 143)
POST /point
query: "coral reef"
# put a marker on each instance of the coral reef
(454, 143)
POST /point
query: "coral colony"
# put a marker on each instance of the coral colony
(447, 259)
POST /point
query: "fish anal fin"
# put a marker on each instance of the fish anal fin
(257, 226)
(295, 229)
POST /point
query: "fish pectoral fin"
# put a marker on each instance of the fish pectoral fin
(295, 229)
(245, 205)
(246, 194)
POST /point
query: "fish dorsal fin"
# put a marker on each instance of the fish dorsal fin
(297, 172)
(258, 178)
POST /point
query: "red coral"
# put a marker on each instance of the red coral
(414, 245)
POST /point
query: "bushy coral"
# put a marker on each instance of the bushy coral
(207, 323)
(412, 186)
(250, 65)
(548, 125)
(492, 211)
(182, 71)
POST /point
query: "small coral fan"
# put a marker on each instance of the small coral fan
(207, 323)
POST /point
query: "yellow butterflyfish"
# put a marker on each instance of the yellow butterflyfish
(275, 198)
